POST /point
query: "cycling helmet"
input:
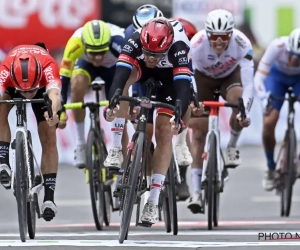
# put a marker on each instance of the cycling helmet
(190, 29)
(219, 21)
(96, 36)
(25, 71)
(144, 14)
(157, 35)
(294, 41)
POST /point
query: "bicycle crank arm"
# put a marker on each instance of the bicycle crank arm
(35, 190)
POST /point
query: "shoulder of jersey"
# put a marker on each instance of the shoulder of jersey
(281, 42)
(116, 30)
(199, 38)
(78, 32)
(240, 39)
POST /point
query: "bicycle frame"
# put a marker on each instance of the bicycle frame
(22, 127)
(213, 127)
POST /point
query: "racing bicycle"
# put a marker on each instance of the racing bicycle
(286, 173)
(214, 172)
(25, 182)
(134, 182)
(97, 177)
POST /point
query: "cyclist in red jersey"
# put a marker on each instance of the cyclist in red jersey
(27, 72)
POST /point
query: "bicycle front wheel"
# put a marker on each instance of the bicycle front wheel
(172, 197)
(130, 185)
(31, 216)
(21, 181)
(95, 178)
(290, 174)
(212, 165)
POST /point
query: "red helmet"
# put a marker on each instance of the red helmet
(190, 29)
(157, 35)
(25, 71)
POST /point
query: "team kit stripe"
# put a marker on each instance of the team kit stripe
(181, 70)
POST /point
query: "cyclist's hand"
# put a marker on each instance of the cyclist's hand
(197, 112)
(177, 131)
(63, 122)
(52, 122)
(245, 123)
(135, 113)
(107, 115)
(265, 103)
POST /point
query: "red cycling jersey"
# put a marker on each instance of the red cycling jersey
(50, 76)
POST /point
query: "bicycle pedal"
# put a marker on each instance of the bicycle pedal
(144, 224)
(48, 214)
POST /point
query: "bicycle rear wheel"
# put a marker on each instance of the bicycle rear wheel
(166, 209)
(31, 216)
(95, 178)
(21, 181)
(212, 164)
(130, 185)
(290, 174)
(172, 197)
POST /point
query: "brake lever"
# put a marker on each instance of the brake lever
(114, 101)
(48, 106)
(132, 104)
(195, 98)
(177, 113)
(242, 109)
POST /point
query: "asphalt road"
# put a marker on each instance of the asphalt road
(247, 212)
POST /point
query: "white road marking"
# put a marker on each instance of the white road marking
(272, 199)
(154, 233)
(142, 243)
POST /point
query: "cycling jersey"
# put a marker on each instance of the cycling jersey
(276, 55)
(176, 57)
(50, 78)
(238, 53)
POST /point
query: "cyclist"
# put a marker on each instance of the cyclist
(279, 69)
(95, 47)
(27, 72)
(222, 59)
(142, 58)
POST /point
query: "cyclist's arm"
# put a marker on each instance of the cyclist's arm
(5, 78)
(181, 73)
(53, 84)
(264, 66)
(125, 63)
(74, 49)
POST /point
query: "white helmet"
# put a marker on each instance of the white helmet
(144, 14)
(219, 21)
(294, 41)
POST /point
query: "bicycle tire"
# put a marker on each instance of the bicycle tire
(107, 207)
(21, 185)
(95, 178)
(31, 212)
(290, 175)
(130, 176)
(172, 197)
(166, 213)
(281, 174)
(216, 209)
(212, 162)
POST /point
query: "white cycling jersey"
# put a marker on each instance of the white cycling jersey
(276, 54)
(238, 53)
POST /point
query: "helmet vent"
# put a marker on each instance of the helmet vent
(96, 29)
(219, 23)
(24, 67)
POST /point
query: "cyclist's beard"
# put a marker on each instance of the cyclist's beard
(151, 63)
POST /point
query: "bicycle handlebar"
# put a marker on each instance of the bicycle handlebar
(144, 102)
(240, 106)
(45, 100)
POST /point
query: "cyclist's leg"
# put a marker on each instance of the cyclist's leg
(199, 126)
(81, 77)
(5, 138)
(274, 84)
(49, 162)
(231, 90)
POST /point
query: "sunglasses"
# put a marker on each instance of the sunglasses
(215, 36)
(152, 54)
(27, 91)
(291, 53)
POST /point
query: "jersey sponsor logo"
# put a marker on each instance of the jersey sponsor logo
(210, 57)
(4, 74)
(117, 47)
(49, 75)
(240, 42)
(134, 43)
(34, 50)
(182, 60)
(220, 68)
(181, 52)
(164, 41)
(66, 64)
(194, 45)
(127, 48)
(76, 47)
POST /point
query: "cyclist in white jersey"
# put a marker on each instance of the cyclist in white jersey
(222, 59)
(278, 70)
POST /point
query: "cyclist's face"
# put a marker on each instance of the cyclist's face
(151, 61)
(29, 95)
(96, 58)
(219, 41)
(293, 61)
